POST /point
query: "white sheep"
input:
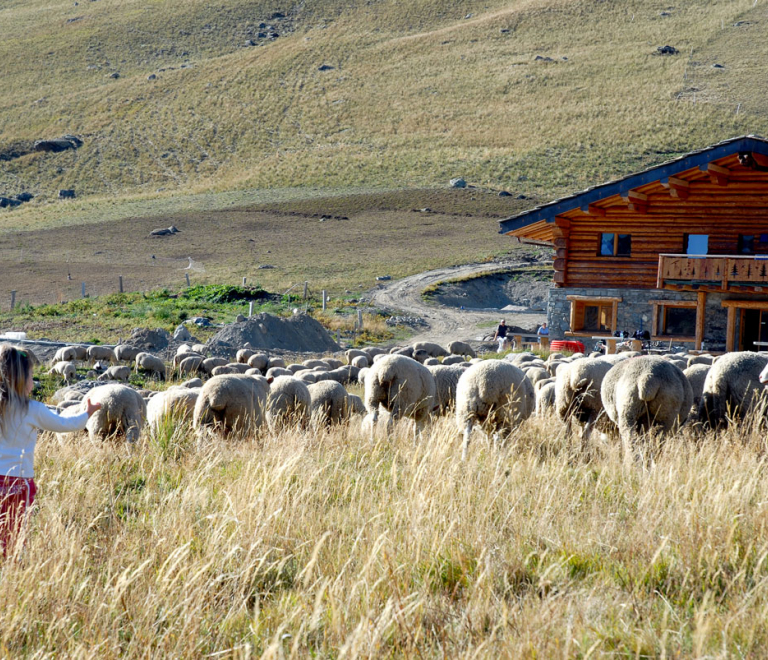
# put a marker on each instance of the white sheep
(126, 352)
(328, 403)
(372, 352)
(259, 361)
(732, 388)
(643, 392)
(202, 349)
(225, 369)
(230, 404)
(461, 348)
(121, 373)
(401, 386)
(545, 398)
(494, 394)
(66, 370)
(209, 364)
(446, 380)
(434, 350)
(243, 355)
(192, 383)
(122, 412)
(275, 362)
(190, 365)
(65, 354)
(697, 375)
(578, 396)
(352, 353)
(148, 363)
(360, 361)
(288, 403)
(101, 353)
(176, 403)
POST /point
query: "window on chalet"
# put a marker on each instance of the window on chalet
(597, 318)
(747, 243)
(696, 244)
(593, 315)
(615, 245)
(674, 319)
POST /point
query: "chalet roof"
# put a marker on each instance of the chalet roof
(694, 159)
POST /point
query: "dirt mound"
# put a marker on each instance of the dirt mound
(149, 340)
(299, 333)
(519, 288)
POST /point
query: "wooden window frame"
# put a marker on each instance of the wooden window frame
(615, 244)
(578, 303)
(699, 305)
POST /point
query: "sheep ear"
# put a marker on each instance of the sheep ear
(270, 379)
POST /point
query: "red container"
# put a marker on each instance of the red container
(563, 345)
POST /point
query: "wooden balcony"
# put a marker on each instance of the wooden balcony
(718, 272)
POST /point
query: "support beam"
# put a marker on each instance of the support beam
(678, 188)
(718, 174)
(638, 202)
(596, 211)
(701, 303)
(730, 330)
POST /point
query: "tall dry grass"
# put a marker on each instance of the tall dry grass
(326, 545)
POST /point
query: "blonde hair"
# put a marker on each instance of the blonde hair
(15, 370)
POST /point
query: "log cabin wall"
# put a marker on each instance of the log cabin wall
(658, 225)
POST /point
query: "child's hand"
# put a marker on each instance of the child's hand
(91, 408)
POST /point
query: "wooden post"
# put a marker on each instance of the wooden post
(306, 290)
(186, 276)
(120, 283)
(324, 300)
(701, 304)
(244, 281)
(250, 309)
(82, 289)
(13, 300)
(730, 332)
(360, 320)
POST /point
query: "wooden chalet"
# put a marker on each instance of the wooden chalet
(680, 249)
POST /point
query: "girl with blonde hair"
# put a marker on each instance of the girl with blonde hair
(20, 420)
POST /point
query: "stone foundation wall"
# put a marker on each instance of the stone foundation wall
(636, 313)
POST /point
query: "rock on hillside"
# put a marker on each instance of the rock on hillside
(299, 333)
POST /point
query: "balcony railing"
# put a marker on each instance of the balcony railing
(713, 272)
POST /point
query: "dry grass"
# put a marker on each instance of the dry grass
(329, 546)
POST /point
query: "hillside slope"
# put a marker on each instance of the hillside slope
(418, 92)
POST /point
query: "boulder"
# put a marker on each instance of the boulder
(150, 340)
(458, 183)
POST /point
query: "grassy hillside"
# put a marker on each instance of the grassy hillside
(419, 91)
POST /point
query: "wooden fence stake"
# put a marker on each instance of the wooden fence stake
(324, 299)
(82, 289)
(186, 276)
(360, 319)
(120, 283)
(13, 300)
(250, 308)
(244, 281)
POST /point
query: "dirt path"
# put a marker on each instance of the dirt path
(447, 324)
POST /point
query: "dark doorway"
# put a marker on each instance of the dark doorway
(754, 327)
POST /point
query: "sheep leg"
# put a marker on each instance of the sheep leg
(374, 421)
(465, 445)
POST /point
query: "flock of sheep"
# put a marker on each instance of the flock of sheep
(625, 394)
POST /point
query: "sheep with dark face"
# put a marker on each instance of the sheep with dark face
(645, 392)
(495, 394)
(151, 365)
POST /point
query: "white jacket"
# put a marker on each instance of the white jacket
(18, 439)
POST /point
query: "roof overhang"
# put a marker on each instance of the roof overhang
(538, 223)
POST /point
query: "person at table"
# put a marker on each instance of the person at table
(543, 331)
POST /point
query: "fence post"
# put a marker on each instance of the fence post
(324, 299)
(120, 283)
(82, 289)
(250, 309)
(360, 319)
(306, 290)
(13, 300)
(186, 276)
(244, 281)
